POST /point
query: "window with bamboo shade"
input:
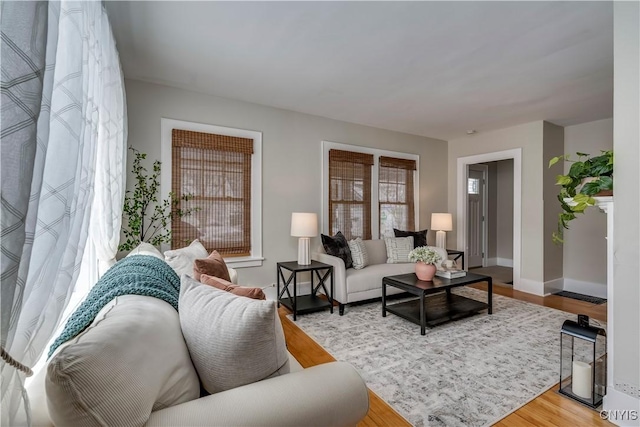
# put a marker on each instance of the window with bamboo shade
(215, 170)
(350, 193)
(395, 194)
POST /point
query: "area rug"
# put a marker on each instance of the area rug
(469, 372)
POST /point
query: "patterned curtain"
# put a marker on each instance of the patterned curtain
(62, 110)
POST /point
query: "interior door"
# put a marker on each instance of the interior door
(476, 215)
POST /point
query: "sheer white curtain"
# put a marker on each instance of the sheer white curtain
(62, 115)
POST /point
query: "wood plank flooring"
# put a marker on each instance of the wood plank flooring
(549, 409)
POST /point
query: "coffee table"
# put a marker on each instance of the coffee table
(441, 305)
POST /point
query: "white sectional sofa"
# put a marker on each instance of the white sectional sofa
(351, 285)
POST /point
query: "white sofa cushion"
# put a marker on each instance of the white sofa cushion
(371, 277)
(359, 254)
(377, 251)
(181, 260)
(232, 340)
(145, 248)
(398, 249)
(130, 361)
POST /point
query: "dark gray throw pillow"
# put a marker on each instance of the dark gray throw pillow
(419, 237)
(337, 246)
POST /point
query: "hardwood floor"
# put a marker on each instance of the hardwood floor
(549, 409)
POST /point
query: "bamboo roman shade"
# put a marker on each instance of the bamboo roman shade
(395, 194)
(214, 171)
(350, 193)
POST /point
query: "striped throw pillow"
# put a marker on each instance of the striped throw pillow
(359, 253)
(398, 249)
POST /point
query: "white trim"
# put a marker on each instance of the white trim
(491, 262)
(167, 125)
(375, 214)
(504, 262)
(587, 288)
(553, 286)
(461, 182)
(618, 401)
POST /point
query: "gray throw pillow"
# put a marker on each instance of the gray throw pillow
(232, 340)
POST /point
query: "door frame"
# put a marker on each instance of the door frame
(461, 192)
(484, 169)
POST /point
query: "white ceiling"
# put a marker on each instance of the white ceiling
(428, 68)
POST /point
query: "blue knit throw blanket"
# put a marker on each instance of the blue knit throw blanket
(134, 275)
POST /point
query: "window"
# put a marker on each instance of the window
(215, 171)
(395, 194)
(473, 186)
(219, 169)
(366, 192)
(350, 193)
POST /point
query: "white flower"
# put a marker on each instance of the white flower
(425, 254)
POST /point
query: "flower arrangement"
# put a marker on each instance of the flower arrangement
(425, 254)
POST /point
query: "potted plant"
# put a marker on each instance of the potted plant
(145, 218)
(587, 177)
(426, 259)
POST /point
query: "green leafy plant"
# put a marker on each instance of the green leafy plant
(425, 254)
(587, 177)
(144, 217)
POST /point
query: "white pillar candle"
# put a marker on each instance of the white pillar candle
(581, 379)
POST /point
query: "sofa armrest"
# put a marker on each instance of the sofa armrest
(332, 394)
(233, 275)
(339, 275)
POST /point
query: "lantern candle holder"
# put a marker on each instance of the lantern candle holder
(583, 362)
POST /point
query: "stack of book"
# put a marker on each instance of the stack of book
(451, 273)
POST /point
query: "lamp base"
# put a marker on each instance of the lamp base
(304, 257)
(441, 239)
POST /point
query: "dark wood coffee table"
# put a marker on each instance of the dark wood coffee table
(441, 305)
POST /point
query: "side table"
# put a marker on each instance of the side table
(299, 304)
(457, 254)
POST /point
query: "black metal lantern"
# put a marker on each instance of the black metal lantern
(583, 362)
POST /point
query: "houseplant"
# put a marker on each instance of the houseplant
(587, 177)
(426, 260)
(144, 217)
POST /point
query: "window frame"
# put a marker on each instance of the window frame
(375, 168)
(255, 259)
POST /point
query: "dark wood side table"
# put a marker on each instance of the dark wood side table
(299, 304)
(457, 254)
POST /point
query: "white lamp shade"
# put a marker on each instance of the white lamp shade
(304, 224)
(441, 222)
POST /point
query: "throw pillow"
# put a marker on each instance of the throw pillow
(419, 237)
(337, 246)
(224, 285)
(213, 265)
(145, 248)
(130, 361)
(181, 260)
(359, 253)
(398, 249)
(242, 342)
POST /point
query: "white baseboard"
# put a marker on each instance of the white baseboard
(586, 288)
(553, 286)
(504, 262)
(491, 262)
(529, 286)
(621, 409)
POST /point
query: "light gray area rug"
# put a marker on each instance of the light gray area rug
(469, 372)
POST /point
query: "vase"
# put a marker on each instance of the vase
(425, 271)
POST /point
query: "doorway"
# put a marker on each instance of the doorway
(462, 235)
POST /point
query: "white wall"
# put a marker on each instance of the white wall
(585, 248)
(528, 137)
(623, 307)
(504, 208)
(553, 145)
(291, 157)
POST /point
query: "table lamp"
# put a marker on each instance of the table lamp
(441, 222)
(304, 226)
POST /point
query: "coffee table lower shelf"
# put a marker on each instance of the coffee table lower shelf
(437, 308)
